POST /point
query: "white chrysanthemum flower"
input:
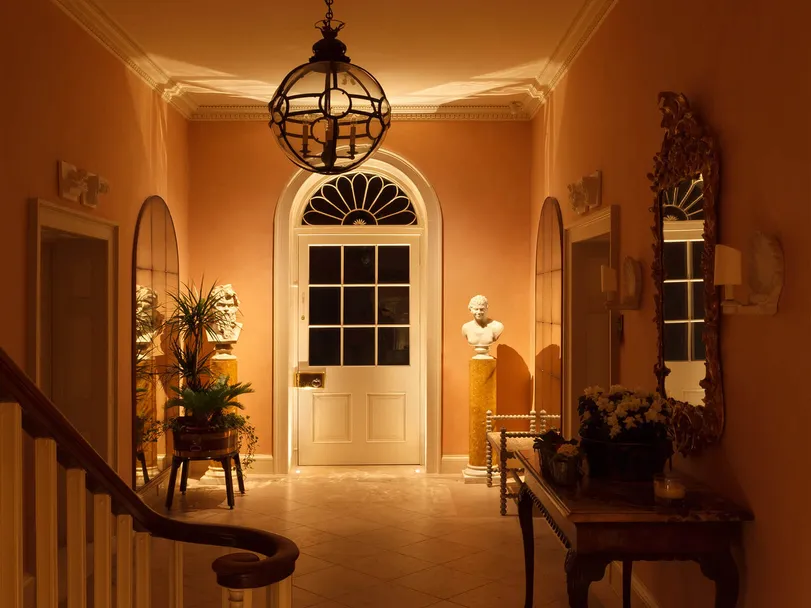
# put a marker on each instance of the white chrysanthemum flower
(652, 415)
(615, 430)
(603, 403)
(612, 420)
(617, 388)
(621, 410)
(630, 423)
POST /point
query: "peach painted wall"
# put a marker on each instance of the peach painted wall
(604, 115)
(66, 97)
(481, 176)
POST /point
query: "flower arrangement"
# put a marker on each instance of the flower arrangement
(568, 450)
(623, 415)
(559, 458)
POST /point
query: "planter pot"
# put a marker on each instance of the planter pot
(625, 461)
(202, 443)
(564, 471)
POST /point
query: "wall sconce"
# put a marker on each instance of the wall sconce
(631, 296)
(80, 186)
(585, 193)
(765, 280)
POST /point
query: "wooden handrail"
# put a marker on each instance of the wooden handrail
(41, 418)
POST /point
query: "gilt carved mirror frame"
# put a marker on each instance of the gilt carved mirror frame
(689, 151)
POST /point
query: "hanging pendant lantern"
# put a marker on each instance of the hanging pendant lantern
(329, 115)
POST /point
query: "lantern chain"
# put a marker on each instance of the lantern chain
(329, 11)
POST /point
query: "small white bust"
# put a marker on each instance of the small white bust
(482, 331)
(229, 328)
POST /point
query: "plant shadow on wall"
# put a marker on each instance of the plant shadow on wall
(209, 402)
(514, 384)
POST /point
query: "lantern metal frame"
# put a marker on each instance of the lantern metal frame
(330, 130)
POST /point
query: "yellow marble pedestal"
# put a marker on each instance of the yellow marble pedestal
(482, 398)
(223, 363)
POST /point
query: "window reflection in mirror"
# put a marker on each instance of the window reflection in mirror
(156, 278)
(683, 289)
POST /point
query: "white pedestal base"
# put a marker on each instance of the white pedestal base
(215, 475)
(139, 475)
(474, 474)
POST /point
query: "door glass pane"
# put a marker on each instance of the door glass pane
(392, 305)
(392, 346)
(698, 300)
(325, 265)
(359, 346)
(675, 301)
(359, 265)
(676, 341)
(394, 264)
(697, 253)
(674, 258)
(699, 352)
(325, 305)
(325, 346)
(359, 306)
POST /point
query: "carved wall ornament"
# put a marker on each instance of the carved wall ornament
(585, 194)
(689, 152)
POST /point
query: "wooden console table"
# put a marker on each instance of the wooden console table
(600, 522)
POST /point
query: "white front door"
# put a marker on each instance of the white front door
(359, 299)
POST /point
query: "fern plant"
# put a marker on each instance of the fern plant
(205, 399)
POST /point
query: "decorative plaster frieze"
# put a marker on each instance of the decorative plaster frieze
(399, 113)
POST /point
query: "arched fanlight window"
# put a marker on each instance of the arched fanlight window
(359, 199)
(685, 201)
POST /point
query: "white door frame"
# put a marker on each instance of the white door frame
(597, 223)
(285, 299)
(44, 215)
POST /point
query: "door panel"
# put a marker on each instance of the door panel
(359, 299)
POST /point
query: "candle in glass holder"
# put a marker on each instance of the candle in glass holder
(668, 489)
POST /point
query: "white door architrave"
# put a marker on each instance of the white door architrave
(287, 225)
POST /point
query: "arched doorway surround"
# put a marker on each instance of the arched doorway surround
(287, 225)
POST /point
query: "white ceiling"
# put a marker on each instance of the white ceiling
(216, 59)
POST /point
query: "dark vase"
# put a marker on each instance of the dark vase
(564, 471)
(201, 442)
(625, 461)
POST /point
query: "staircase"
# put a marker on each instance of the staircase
(35, 440)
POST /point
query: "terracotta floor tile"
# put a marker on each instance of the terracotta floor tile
(388, 565)
(436, 550)
(334, 581)
(389, 596)
(442, 582)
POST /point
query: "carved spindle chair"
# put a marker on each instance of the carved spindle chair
(507, 443)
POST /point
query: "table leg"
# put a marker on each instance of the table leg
(240, 480)
(722, 570)
(184, 476)
(581, 571)
(229, 483)
(144, 471)
(528, 537)
(170, 490)
(627, 566)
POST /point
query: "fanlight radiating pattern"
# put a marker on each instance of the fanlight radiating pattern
(684, 202)
(359, 199)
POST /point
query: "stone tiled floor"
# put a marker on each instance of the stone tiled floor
(386, 538)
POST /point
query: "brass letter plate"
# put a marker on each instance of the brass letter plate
(311, 379)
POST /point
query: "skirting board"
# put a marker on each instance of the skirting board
(453, 464)
(262, 465)
(639, 589)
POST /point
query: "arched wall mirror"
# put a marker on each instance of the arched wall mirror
(155, 277)
(685, 181)
(549, 310)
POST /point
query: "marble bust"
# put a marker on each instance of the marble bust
(148, 318)
(482, 331)
(228, 329)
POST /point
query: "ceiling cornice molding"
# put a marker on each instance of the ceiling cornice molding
(587, 22)
(99, 25)
(504, 112)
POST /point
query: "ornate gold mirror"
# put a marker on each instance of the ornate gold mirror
(549, 310)
(685, 180)
(155, 277)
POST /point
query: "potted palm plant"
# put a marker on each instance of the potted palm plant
(208, 426)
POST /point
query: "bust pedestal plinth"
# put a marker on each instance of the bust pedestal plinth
(482, 398)
(223, 363)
